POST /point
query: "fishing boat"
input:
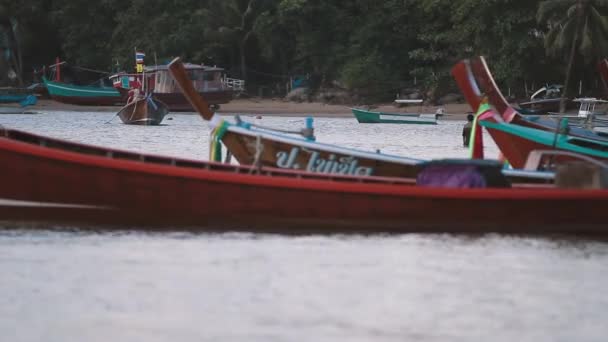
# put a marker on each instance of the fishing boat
(207, 80)
(366, 116)
(83, 95)
(52, 180)
(477, 85)
(62, 90)
(544, 100)
(22, 96)
(143, 110)
(252, 144)
(517, 142)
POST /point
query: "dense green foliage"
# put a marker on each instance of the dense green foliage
(371, 48)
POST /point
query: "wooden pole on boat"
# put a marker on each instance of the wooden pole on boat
(57, 70)
(183, 81)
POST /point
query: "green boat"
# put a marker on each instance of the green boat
(83, 95)
(365, 116)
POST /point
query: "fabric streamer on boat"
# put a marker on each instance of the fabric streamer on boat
(215, 151)
(476, 143)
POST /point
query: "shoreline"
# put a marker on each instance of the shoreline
(273, 107)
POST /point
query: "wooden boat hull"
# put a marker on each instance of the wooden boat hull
(299, 154)
(476, 82)
(24, 96)
(364, 116)
(517, 142)
(145, 111)
(51, 180)
(84, 95)
(250, 146)
(8, 98)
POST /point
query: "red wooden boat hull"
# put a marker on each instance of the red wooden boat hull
(476, 82)
(67, 182)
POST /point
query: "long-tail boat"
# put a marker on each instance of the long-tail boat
(22, 96)
(143, 110)
(83, 95)
(368, 116)
(517, 142)
(94, 95)
(477, 85)
(517, 136)
(251, 144)
(49, 179)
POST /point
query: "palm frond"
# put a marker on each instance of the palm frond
(550, 9)
(585, 47)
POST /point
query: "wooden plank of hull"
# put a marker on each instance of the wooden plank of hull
(297, 154)
(141, 112)
(161, 194)
(313, 158)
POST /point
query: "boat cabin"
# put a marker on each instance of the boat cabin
(204, 78)
(158, 79)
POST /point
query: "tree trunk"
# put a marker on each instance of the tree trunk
(242, 53)
(579, 13)
(242, 47)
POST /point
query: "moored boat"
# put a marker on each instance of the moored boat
(55, 180)
(366, 116)
(22, 96)
(477, 85)
(517, 142)
(83, 95)
(207, 80)
(251, 144)
(144, 110)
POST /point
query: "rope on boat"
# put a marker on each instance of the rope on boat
(561, 128)
(259, 148)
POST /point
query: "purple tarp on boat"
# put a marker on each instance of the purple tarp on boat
(451, 176)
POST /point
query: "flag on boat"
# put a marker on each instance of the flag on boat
(139, 57)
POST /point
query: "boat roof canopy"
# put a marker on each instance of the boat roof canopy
(188, 66)
(589, 100)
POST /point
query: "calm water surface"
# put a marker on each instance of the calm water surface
(59, 284)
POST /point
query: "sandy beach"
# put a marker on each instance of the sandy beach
(282, 108)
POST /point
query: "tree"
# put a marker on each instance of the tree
(583, 29)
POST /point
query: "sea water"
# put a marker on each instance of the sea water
(61, 284)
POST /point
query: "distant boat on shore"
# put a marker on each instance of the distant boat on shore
(366, 116)
(144, 111)
(83, 95)
(207, 80)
